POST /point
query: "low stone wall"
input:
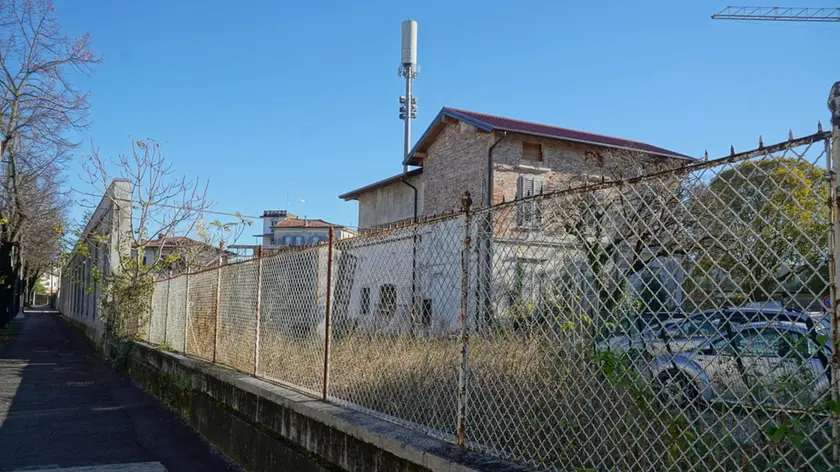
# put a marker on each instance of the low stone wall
(263, 426)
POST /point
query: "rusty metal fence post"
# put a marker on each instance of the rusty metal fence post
(834, 257)
(259, 307)
(327, 316)
(463, 372)
(218, 298)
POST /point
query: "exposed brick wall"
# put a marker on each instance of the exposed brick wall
(456, 162)
(562, 161)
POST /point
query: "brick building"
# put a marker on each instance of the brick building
(490, 156)
(415, 273)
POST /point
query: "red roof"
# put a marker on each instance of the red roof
(498, 123)
(302, 223)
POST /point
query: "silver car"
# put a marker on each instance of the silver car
(668, 337)
(781, 363)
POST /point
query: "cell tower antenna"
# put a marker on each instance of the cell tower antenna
(409, 70)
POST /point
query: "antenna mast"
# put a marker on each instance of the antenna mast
(408, 69)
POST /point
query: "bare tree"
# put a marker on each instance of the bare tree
(38, 106)
(166, 229)
(40, 237)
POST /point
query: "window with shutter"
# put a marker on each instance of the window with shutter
(532, 151)
(529, 213)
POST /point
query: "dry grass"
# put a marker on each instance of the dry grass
(536, 398)
(201, 334)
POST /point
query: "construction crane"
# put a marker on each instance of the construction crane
(813, 15)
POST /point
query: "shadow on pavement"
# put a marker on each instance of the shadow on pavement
(63, 406)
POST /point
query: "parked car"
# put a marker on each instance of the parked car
(769, 362)
(741, 315)
(657, 336)
(669, 336)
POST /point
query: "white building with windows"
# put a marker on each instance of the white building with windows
(294, 231)
(283, 229)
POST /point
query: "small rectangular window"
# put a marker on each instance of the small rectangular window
(532, 151)
(387, 301)
(364, 305)
(426, 312)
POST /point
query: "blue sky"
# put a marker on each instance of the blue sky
(254, 95)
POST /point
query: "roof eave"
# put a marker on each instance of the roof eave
(593, 143)
(412, 160)
(354, 194)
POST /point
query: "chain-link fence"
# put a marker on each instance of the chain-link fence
(670, 321)
(236, 337)
(203, 298)
(292, 311)
(394, 350)
(645, 318)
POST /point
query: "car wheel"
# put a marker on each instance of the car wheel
(675, 389)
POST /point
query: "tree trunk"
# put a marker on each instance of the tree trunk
(6, 284)
(30, 290)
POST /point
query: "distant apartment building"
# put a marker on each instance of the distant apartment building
(283, 229)
(294, 231)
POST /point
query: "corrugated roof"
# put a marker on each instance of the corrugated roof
(489, 123)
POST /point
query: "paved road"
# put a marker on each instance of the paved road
(63, 408)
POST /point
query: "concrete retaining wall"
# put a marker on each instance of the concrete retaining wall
(265, 427)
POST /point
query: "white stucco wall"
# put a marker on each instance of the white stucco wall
(391, 203)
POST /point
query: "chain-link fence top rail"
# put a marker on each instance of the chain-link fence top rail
(292, 310)
(395, 314)
(176, 313)
(660, 323)
(238, 316)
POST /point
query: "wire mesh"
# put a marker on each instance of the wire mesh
(237, 316)
(157, 320)
(176, 313)
(291, 318)
(647, 318)
(672, 322)
(394, 351)
(201, 314)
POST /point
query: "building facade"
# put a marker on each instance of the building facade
(183, 253)
(520, 256)
(297, 232)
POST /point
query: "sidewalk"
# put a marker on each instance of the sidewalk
(62, 407)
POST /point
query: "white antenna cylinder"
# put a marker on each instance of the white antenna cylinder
(409, 43)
